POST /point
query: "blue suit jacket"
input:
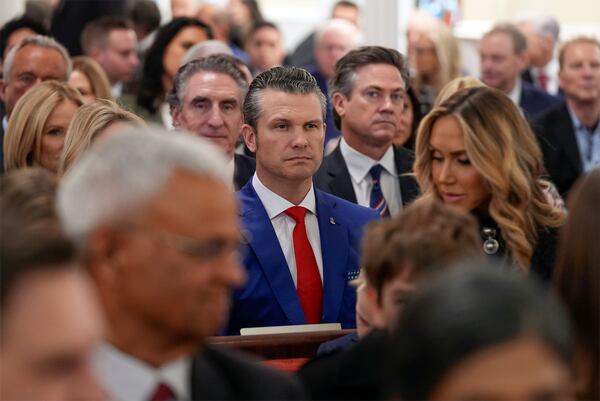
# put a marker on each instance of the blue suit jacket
(269, 297)
(534, 101)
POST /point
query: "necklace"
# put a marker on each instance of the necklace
(490, 245)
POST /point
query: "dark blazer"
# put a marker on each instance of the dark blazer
(222, 374)
(535, 101)
(243, 169)
(269, 297)
(354, 373)
(556, 136)
(333, 175)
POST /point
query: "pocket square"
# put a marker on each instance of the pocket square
(352, 275)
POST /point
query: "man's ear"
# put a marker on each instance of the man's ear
(377, 313)
(522, 60)
(249, 137)
(176, 117)
(102, 255)
(339, 103)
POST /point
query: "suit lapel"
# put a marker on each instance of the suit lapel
(334, 250)
(264, 244)
(565, 134)
(340, 183)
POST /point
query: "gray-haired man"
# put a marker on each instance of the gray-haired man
(206, 100)
(35, 59)
(159, 228)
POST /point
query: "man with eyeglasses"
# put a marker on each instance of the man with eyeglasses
(159, 232)
(367, 92)
(35, 59)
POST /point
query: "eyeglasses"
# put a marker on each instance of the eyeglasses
(206, 250)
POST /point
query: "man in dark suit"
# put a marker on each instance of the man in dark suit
(206, 100)
(303, 243)
(502, 54)
(160, 234)
(569, 134)
(367, 92)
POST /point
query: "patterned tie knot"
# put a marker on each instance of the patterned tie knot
(163, 393)
(376, 172)
(297, 213)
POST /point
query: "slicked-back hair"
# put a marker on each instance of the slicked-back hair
(218, 63)
(291, 80)
(465, 311)
(345, 69)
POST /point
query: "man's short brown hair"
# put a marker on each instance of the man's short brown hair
(579, 39)
(95, 34)
(426, 237)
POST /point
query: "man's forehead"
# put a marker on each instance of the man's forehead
(210, 83)
(285, 105)
(30, 55)
(120, 38)
(375, 79)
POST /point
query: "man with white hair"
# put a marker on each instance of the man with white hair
(35, 59)
(542, 32)
(159, 230)
(206, 101)
(333, 41)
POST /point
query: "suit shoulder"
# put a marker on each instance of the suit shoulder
(349, 209)
(248, 379)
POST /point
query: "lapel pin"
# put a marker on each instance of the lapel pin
(331, 220)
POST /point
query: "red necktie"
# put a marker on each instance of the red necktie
(163, 393)
(543, 80)
(309, 288)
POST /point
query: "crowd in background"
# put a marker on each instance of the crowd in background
(165, 183)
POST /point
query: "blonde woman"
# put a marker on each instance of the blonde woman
(436, 61)
(454, 86)
(476, 152)
(89, 79)
(92, 121)
(36, 129)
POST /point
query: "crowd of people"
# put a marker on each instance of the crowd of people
(164, 184)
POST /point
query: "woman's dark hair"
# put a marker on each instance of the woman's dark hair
(16, 24)
(151, 88)
(417, 117)
(462, 312)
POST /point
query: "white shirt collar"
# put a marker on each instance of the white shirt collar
(117, 90)
(275, 204)
(359, 164)
(5, 123)
(515, 93)
(128, 378)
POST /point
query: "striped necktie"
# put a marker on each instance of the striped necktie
(377, 201)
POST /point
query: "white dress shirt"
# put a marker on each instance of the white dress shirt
(128, 379)
(515, 93)
(359, 166)
(284, 225)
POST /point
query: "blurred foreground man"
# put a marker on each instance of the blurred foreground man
(159, 228)
(50, 321)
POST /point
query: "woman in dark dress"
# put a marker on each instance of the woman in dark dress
(476, 151)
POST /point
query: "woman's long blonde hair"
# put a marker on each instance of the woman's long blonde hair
(447, 52)
(501, 146)
(95, 74)
(88, 121)
(23, 140)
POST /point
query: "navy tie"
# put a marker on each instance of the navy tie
(377, 201)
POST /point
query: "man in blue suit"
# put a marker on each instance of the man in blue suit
(502, 54)
(303, 243)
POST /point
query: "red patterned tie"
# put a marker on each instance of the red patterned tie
(163, 393)
(543, 80)
(309, 288)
